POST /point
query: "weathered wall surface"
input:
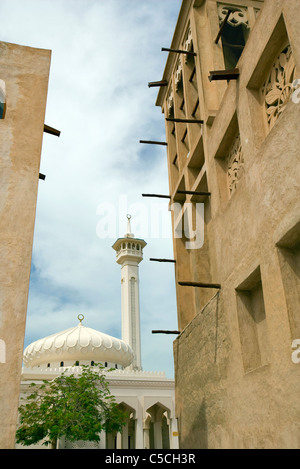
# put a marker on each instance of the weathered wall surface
(218, 405)
(25, 71)
(200, 356)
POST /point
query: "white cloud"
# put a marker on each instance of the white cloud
(104, 53)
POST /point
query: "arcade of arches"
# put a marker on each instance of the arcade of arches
(156, 429)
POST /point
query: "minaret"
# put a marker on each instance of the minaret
(129, 254)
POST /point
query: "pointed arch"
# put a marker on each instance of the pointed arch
(159, 426)
(127, 438)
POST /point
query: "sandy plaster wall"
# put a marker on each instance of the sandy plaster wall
(25, 71)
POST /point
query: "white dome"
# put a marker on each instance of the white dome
(78, 343)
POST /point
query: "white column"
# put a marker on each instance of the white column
(119, 440)
(125, 436)
(102, 443)
(146, 436)
(139, 434)
(157, 435)
(173, 430)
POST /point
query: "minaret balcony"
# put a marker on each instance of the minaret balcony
(125, 253)
(129, 249)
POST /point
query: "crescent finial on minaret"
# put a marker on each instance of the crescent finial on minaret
(129, 234)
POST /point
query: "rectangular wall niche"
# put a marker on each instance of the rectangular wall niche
(252, 322)
(230, 159)
(289, 259)
(235, 164)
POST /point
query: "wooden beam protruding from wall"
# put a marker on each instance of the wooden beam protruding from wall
(162, 260)
(193, 192)
(200, 285)
(185, 121)
(224, 74)
(153, 142)
(179, 51)
(51, 130)
(151, 84)
(157, 195)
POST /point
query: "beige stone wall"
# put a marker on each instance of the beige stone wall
(236, 384)
(25, 71)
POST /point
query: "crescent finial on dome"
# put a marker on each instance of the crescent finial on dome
(80, 317)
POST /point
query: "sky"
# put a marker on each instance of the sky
(104, 54)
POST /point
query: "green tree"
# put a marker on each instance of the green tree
(77, 407)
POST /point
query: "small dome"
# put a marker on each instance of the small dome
(78, 343)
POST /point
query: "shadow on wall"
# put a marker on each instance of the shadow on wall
(197, 438)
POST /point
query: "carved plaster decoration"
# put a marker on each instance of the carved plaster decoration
(178, 75)
(170, 103)
(238, 17)
(278, 87)
(235, 164)
(256, 12)
(188, 43)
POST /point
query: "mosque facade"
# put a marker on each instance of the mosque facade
(148, 398)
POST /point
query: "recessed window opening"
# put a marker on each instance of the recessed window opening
(195, 108)
(234, 33)
(289, 260)
(234, 39)
(184, 136)
(252, 322)
(192, 74)
(190, 61)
